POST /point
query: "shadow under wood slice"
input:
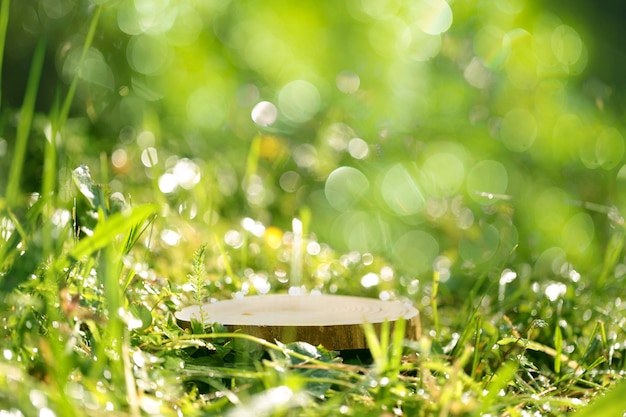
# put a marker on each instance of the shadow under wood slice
(333, 321)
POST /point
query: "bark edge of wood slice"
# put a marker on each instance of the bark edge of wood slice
(333, 321)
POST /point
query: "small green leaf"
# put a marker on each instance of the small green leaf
(142, 313)
(305, 349)
(107, 231)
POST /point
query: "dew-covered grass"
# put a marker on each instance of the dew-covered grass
(90, 328)
(476, 196)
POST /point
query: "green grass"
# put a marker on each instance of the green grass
(75, 336)
(90, 284)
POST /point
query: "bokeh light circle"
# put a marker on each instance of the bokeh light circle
(205, 108)
(566, 45)
(418, 45)
(344, 187)
(480, 247)
(401, 192)
(358, 148)
(518, 130)
(147, 54)
(433, 16)
(486, 181)
(577, 233)
(609, 148)
(186, 27)
(299, 101)
(348, 82)
(415, 251)
(361, 230)
(264, 114)
(442, 174)
(492, 45)
(550, 209)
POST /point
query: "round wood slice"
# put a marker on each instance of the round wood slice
(333, 321)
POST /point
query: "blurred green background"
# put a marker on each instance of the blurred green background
(458, 136)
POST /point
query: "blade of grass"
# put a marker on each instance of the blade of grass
(611, 404)
(538, 347)
(105, 233)
(433, 302)
(477, 352)
(500, 380)
(558, 346)
(376, 348)
(26, 118)
(399, 329)
(468, 332)
(4, 23)
(48, 181)
(227, 266)
(65, 109)
(612, 254)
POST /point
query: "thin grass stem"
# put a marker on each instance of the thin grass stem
(26, 118)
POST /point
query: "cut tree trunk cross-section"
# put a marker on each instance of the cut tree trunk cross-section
(333, 321)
